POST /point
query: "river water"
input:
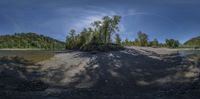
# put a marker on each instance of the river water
(189, 52)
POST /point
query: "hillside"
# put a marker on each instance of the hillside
(30, 40)
(193, 42)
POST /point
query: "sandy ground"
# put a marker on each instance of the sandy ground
(161, 51)
(134, 73)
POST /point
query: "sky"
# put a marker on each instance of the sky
(161, 19)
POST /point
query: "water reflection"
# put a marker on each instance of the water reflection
(191, 54)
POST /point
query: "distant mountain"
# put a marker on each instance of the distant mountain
(193, 42)
(30, 40)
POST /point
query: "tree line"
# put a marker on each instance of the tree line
(101, 33)
(193, 42)
(99, 36)
(143, 40)
(30, 40)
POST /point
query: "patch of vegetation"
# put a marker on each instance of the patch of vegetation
(143, 40)
(194, 42)
(96, 38)
(171, 43)
(30, 41)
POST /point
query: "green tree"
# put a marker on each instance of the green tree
(118, 39)
(143, 38)
(71, 39)
(126, 41)
(155, 43)
(109, 26)
(171, 43)
(29, 40)
(100, 34)
(193, 42)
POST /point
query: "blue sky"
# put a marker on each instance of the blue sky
(161, 19)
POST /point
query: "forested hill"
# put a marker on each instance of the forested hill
(30, 40)
(194, 42)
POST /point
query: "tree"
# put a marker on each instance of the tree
(100, 34)
(143, 38)
(29, 40)
(136, 42)
(83, 36)
(98, 29)
(118, 39)
(193, 42)
(73, 41)
(171, 43)
(97, 25)
(126, 41)
(72, 33)
(155, 43)
(109, 26)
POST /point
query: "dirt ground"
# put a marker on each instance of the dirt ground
(133, 73)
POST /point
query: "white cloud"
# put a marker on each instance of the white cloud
(84, 22)
(85, 16)
(89, 17)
